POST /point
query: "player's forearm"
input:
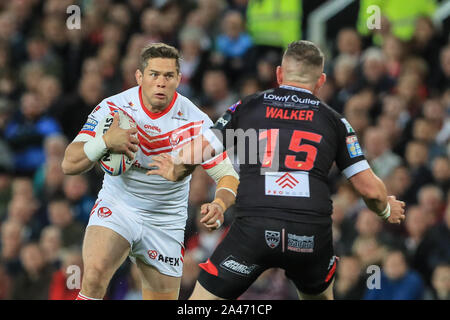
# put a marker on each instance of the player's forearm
(75, 160)
(372, 190)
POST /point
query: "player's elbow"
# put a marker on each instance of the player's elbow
(68, 168)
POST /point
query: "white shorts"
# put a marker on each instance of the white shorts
(158, 245)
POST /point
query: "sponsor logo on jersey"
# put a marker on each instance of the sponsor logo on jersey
(300, 243)
(150, 127)
(179, 116)
(104, 212)
(234, 106)
(287, 184)
(347, 125)
(289, 114)
(239, 267)
(90, 124)
(175, 139)
(353, 147)
(154, 255)
(272, 238)
(291, 98)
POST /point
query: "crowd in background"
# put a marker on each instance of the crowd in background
(394, 91)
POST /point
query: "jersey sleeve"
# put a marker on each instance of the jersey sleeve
(88, 131)
(349, 159)
(221, 155)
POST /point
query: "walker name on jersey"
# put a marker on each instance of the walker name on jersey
(289, 114)
(287, 184)
(154, 255)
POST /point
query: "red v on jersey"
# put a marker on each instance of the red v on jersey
(151, 145)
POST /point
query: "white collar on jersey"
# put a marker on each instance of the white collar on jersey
(285, 86)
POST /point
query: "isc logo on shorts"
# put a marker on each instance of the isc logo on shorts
(104, 212)
(287, 184)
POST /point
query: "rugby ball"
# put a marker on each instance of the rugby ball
(115, 164)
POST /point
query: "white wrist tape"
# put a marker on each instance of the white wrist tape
(95, 148)
(386, 213)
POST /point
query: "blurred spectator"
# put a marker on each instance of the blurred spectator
(441, 173)
(348, 42)
(194, 62)
(417, 224)
(394, 50)
(416, 158)
(374, 71)
(12, 238)
(233, 44)
(398, 281)
(39, 51)
(74, 111)
(26, 132)
(50, 243)
(217, 95)
(350, 283)
(441, 79)
(378, 152)
(434, 248)
(368, 251)
(58, 288)
(440, 283)
(61, 216)
(344, 76)
(24, 210)
(266, 70)
(5, 192)
(6, 283)
(150, 25)
(48, 180)
(431, 200)
(32, 283)
(76, 191)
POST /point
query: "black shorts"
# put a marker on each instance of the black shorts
(255, 244)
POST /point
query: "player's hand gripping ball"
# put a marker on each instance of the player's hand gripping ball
(114, 163)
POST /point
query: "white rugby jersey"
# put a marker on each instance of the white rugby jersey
(164, 132)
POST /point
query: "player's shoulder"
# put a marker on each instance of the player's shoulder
(123, 97)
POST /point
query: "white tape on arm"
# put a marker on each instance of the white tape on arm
(95, 148)
(386, 212)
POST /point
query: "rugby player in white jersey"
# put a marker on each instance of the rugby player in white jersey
(139, 215)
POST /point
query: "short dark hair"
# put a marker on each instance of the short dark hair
(305, 51)
(158, 50)
(308, 61)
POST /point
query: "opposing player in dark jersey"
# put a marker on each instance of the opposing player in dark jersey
(283, 205)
